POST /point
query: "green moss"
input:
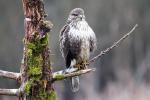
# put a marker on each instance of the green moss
(44, 40)
(29, 52)
(45, 95)
(34, 64)
(35, 60)
(35, 71)
(42, 93)
(51, 96)
(37, 44)
(27, 87)
(59, 76)
(31, 46)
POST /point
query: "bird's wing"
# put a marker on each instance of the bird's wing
(69, 44)
(93, 41)
(64, 41)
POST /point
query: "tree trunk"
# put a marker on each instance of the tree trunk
(36, 67)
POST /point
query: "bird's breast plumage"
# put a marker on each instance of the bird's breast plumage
(81, 32)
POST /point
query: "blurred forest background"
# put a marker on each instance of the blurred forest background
(122, 74)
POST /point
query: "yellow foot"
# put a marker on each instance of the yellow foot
(78, 66)
(84, 65)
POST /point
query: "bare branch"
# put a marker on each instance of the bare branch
(60, 75)
(11, 92)
(115, 44)
(11, 75)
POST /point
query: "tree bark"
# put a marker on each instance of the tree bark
(36, 67)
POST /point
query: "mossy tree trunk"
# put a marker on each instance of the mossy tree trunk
(36, 67)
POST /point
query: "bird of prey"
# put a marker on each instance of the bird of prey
(77, 40)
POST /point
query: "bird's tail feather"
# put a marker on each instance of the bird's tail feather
(75, 83)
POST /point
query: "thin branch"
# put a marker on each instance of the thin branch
(60, 75)
(11, 75)
(10, 92)
(115, 44)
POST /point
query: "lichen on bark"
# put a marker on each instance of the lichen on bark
(36, 84)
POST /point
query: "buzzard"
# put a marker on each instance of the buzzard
(77, 40)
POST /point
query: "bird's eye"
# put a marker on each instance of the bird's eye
(75, 14)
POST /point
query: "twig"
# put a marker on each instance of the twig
(60, 76)
(115, 44)
(11, 92)
(11, 75)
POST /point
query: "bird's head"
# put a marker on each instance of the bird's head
(76, 14)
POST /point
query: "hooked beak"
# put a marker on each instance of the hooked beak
(81, 17)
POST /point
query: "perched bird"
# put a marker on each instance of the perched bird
(77, 40)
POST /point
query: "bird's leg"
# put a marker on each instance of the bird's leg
(78, 66)
(85, 64)
(82, 65)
